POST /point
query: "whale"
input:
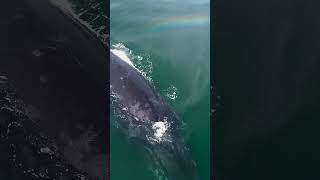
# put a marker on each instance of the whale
(54, 101)
(53, 95)
(148, 120)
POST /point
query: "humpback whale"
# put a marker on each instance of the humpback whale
(53, 100)
(149, 121)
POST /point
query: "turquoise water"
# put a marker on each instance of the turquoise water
(168, 41)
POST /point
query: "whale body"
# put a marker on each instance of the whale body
(149, 121)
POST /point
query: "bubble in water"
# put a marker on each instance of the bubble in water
(171, 92)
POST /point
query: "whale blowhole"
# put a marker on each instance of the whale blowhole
(160, 128)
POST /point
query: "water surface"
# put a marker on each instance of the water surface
(168, 41)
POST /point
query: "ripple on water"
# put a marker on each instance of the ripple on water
(171, 92)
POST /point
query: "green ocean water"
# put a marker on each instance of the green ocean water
(168, 41)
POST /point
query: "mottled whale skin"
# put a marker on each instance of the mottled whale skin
(149, 120)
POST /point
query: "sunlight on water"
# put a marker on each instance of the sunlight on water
(176, 22)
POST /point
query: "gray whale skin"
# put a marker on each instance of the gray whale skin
(149, 121)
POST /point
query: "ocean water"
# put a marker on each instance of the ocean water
(168, 41)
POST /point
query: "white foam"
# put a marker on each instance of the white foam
(136, 61)
(171, 92)
(160, 128)
(123, 56)
(67, 8)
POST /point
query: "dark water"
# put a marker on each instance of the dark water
(168, 41)
(267, 74)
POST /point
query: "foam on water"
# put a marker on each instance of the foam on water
(142, 64)
(171, 92)
(68, 8)
(160, 129)
(122, 55)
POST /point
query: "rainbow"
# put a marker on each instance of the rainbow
(180, 22)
